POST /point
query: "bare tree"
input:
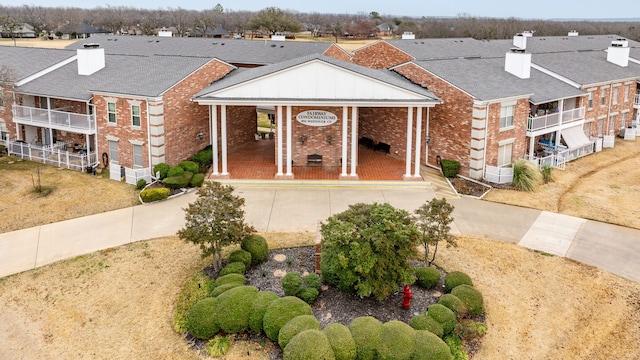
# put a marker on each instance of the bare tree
(9, 26)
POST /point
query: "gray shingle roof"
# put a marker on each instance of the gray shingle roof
(243, 75)
(28, 61)
(233, 51)
(123, 74)
(486, 79)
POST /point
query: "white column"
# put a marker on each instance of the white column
(289, 160)
(354, 142)
(426, 134)
(213, 110)
(223, 134)
(279, 142)
(416, 170)
(345, 123)
(531, 149)
(407, 160)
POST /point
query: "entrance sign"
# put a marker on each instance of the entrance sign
(316, 118)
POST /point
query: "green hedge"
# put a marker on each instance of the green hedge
(450, 168)
(470, 297)
(203, 158)
(230, 278)
(236, 267)
(190, 166)
(162, 168)
(232, 309)
(201, 322)
(424, 322)
(398, 341)
(222, 288)
(427, 277)
(180, 181)
(455, 278)
(366, 332)
(342, 343)
(430, 347)
(262, 301)
(257, 246)
(308, 345)
(292, 283)
(308, 294)
(313, 281)
(155, 194)
(241, 256)
(445, 317)
(454, 304)
(193, 290)
(280, 311)
(197, 180)
(175, 171)
(295, 326)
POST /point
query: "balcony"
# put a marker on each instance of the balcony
(636, 102)
(55, 119)
(553, 121)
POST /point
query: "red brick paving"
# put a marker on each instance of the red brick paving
(256, 160)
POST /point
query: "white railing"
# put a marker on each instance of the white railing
(53, 155)
(555, 119)
(561, 157)
(54, 118)
(637, 100)
(499, 174)
(133, 175)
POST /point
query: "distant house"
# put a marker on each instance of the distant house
(386, 29)
(79, 31)
(218, 32)
(21, 31)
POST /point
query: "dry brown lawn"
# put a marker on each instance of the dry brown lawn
(603, 187)
(39, 43)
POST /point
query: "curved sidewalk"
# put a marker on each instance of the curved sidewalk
(299, 207)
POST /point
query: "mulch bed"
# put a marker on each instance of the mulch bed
(467, 187)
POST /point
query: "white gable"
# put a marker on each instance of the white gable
(315, 80)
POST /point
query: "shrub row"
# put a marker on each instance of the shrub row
(155, 194)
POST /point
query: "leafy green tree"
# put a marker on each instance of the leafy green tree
(366, 248)
(273, 20)
(215, 220)
(432, 220)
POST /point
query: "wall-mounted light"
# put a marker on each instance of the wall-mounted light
(329, 139)
(428, 139)
(200, 135)
(303, 139)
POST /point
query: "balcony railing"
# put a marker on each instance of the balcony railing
(555, 119)
(637, 100)
(53, 155)
(56, 119)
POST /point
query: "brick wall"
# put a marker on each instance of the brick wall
(603, 112)
(517, 132)
(316, 137)
(335, 51)
(242, 122)
(388, 125)
(6, 113)
(380, 55)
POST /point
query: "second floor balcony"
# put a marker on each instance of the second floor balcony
(55, 119)
(555, 120)
(636, 102)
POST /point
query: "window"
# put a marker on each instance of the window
(137, 156)
(111, 110)
(113, 151)
(3, 130)
(626, 93)
(135, 115)
(612, 124)
(506, 116)
(1, 98)
(587, 129)
(600, 124)
(590, 99)
(603, 97)
(614, 95)
(624, 120)
(504, 154)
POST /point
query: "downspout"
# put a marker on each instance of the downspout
(609, 109)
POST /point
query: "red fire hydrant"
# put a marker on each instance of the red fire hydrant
(406, 297)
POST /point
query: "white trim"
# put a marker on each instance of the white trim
(506, 142)
(407, 160)
(354, 142)
(136, 142)
(47, 70)
(223, 134)
(289, 137)
(509, 103)
(214, 136)
(279, 139)
(112, 138)
(345, 133)
(416, 169)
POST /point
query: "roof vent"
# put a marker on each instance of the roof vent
(618, 52)
(573, 33)
(91, 46)
(408, 35)
(273, 45)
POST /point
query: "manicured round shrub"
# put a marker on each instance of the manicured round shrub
(203, 158)
(450, 168)
(236, 267)
(292, 283)
(366, 332)
(140, 184)
(397, 341)
(342, 343)
(222, 288)
(445, 317)
(179, 181)
(201, 321)
(456, 278)
(470, 297)
(295, 326)
(312, 280)
(308, 295)
(430, 347)
(196, 180)
(424, 322)
(427, 277)
(232, 308)
(155, 194)
(230, 278)
(280, 311)
(175, 171)
(453, 303)
(242, 256)
(260, 304)
(257, 246)
(308, 345)
(190, 166)
(162, 168)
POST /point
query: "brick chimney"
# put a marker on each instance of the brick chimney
(518, 63)
(90, 59)
(618, 52)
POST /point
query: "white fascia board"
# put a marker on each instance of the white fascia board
(47, 70)
(285, 102)
(557, 76)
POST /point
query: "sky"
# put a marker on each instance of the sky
(536, 9)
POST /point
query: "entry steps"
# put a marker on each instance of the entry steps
(359, 184)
